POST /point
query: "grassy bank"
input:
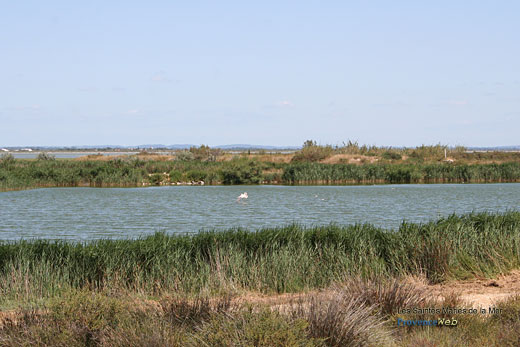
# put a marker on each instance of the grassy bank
(286, 259)
(344, 316)
(185, 290)
(133, 172)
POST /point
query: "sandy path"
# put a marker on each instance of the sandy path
(477, 292)
(481, 292)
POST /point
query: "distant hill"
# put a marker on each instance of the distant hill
(187, 146)
(244, 146)
(497, 148)
(150, 146)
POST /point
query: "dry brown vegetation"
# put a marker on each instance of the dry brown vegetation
(356, 312)
(348, 153)
(497, 157)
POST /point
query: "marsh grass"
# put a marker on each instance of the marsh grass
(385, 294)
(273, 260)
(97, 293)
(89, 318)
(132, 172)
(128, 172)
(305, 173)
(357, 313)
(342, 320)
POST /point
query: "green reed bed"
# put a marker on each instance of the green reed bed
(132, 172)
(285, 259)
(304, 173)
(68, 173)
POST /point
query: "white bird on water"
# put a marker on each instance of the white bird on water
(242, 196)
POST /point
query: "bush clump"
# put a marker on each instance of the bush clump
(175, 176)
(390, 155)
(6, 159)
(342, 320)
(311, 152)
(45, 156)
(205, 153)
(242, 171)
(196, 175)
(156, 179)
(185, 156)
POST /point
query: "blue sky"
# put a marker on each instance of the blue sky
(399, 73)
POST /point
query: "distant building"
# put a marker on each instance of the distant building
(4, 150)
(26, 149)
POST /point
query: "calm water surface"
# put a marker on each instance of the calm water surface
(92, 213)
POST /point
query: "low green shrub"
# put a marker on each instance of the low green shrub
(241, 171)
(249, 328)
(45, 156)
(196, 175)
(311, 152)
(156, 179)
(176, 176)
(390, 155)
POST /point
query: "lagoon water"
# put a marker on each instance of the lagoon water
(93, 213)
(67, 155)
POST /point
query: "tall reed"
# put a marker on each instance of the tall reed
(21, 174)
(305, 173)
(285, 259)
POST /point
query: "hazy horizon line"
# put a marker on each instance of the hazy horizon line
(260, 146)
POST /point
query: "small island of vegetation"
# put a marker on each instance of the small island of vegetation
(312, 164)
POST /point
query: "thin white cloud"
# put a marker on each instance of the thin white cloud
(458, 102)
(391, 104)
(160, 77)
(87, 89)
(133, 111)
(26, 108)
(285, 103)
